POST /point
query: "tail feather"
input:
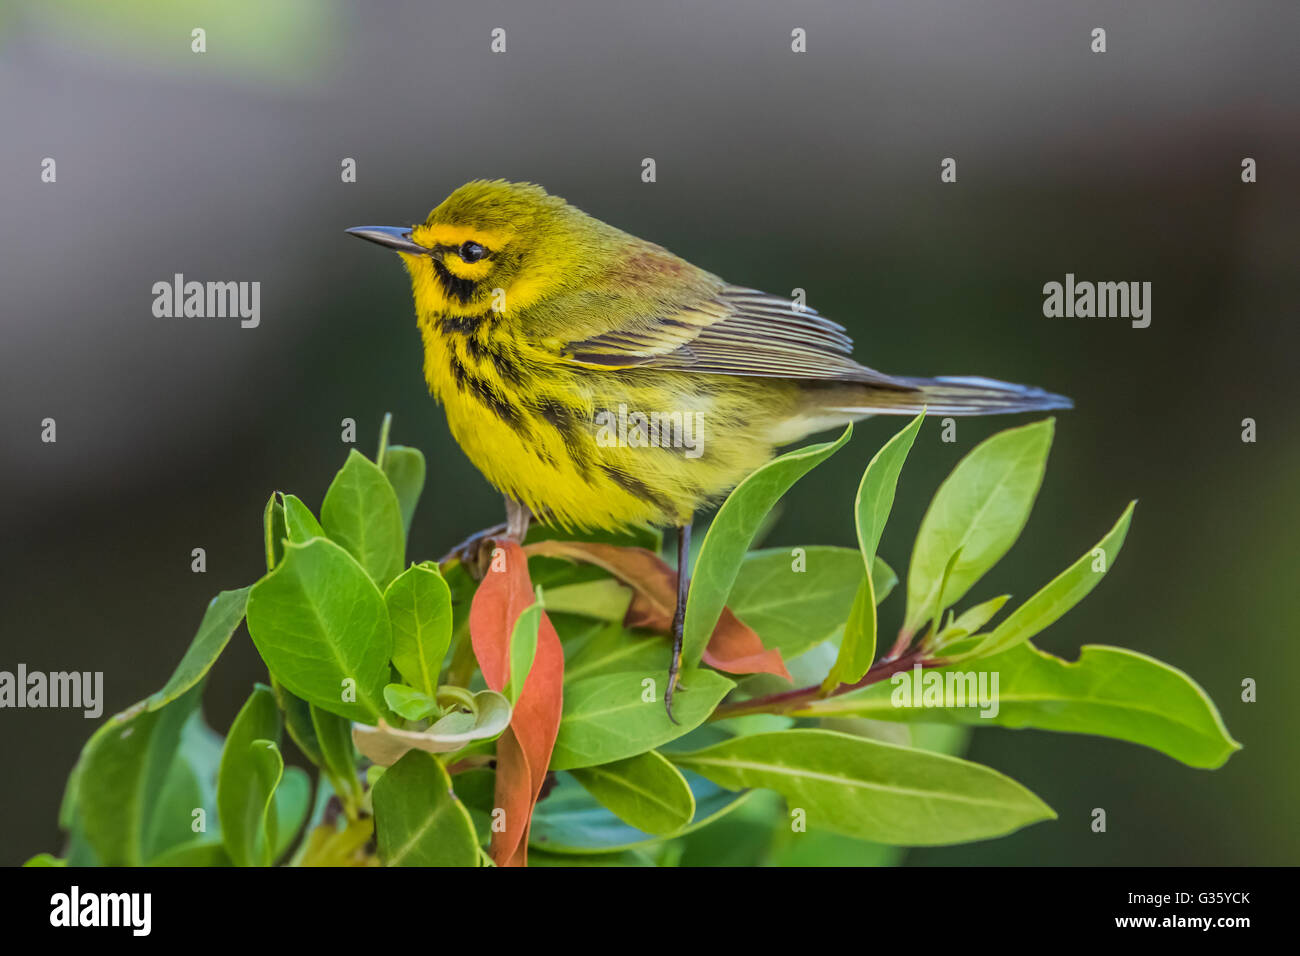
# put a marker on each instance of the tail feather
(951, 395)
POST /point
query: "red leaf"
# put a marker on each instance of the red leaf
(734, 647)
(504, 593)
(512, 797)
(524, 750)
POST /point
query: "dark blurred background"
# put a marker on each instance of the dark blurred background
(778, 170)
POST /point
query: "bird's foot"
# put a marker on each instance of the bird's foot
(673, 683)
(475, 552)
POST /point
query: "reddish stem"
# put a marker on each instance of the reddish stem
(795, 699)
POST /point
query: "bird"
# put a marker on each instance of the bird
(602, 383)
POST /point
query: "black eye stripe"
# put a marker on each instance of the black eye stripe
(468, 251)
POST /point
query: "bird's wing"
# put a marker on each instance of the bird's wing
(734, 331)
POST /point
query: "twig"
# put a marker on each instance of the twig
(791, 700)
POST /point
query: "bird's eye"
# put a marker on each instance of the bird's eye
(471, 251)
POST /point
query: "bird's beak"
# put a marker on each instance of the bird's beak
(394, 237)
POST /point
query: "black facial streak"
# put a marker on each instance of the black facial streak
(454, 286)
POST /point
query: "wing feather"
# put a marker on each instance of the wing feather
(738, 331)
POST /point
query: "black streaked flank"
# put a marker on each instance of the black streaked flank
(638, 489)
(473, 348)
(507, 365)
(484, 348)
(565, 421)
(487, 396)
(499, 406)
(460, 324)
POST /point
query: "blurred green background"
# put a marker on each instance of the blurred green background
(776, 170)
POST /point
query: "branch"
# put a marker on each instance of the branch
(790, 700)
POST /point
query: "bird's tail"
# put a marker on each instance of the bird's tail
(947, 395)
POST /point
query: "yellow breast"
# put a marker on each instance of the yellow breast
(564, 440)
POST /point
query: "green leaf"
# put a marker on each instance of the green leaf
(980, 509)
(613, 716)
(404, 468)
(334, 734)
(872, 790)
(300, 524)
(730, 534)
(274, 531)
(741, 839)
(871, 509)
(45, 859)
(1108, 691)
(604, 599)
(419, 609)
(200, 750)
(319, 622)
(1064, 591)
(222, 616)
(612, 649)
(793, 610)
(972, 619)
(409, 703)
(940, 602)
(172, 820)
(476, 788)
(250, 771)
(385, 745)
(292, 801)
(121, 777)
(361, 513)
(858, 646)
(875, 497)
(645, 791)
(204, 851)
(570, 820)
(523, 648)
(297, 720)
(883, 580)
(419, 821)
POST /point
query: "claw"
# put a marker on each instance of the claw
(673, 666)
(474, 552)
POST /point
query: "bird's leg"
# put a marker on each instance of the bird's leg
(517, 519)
(679, 615)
